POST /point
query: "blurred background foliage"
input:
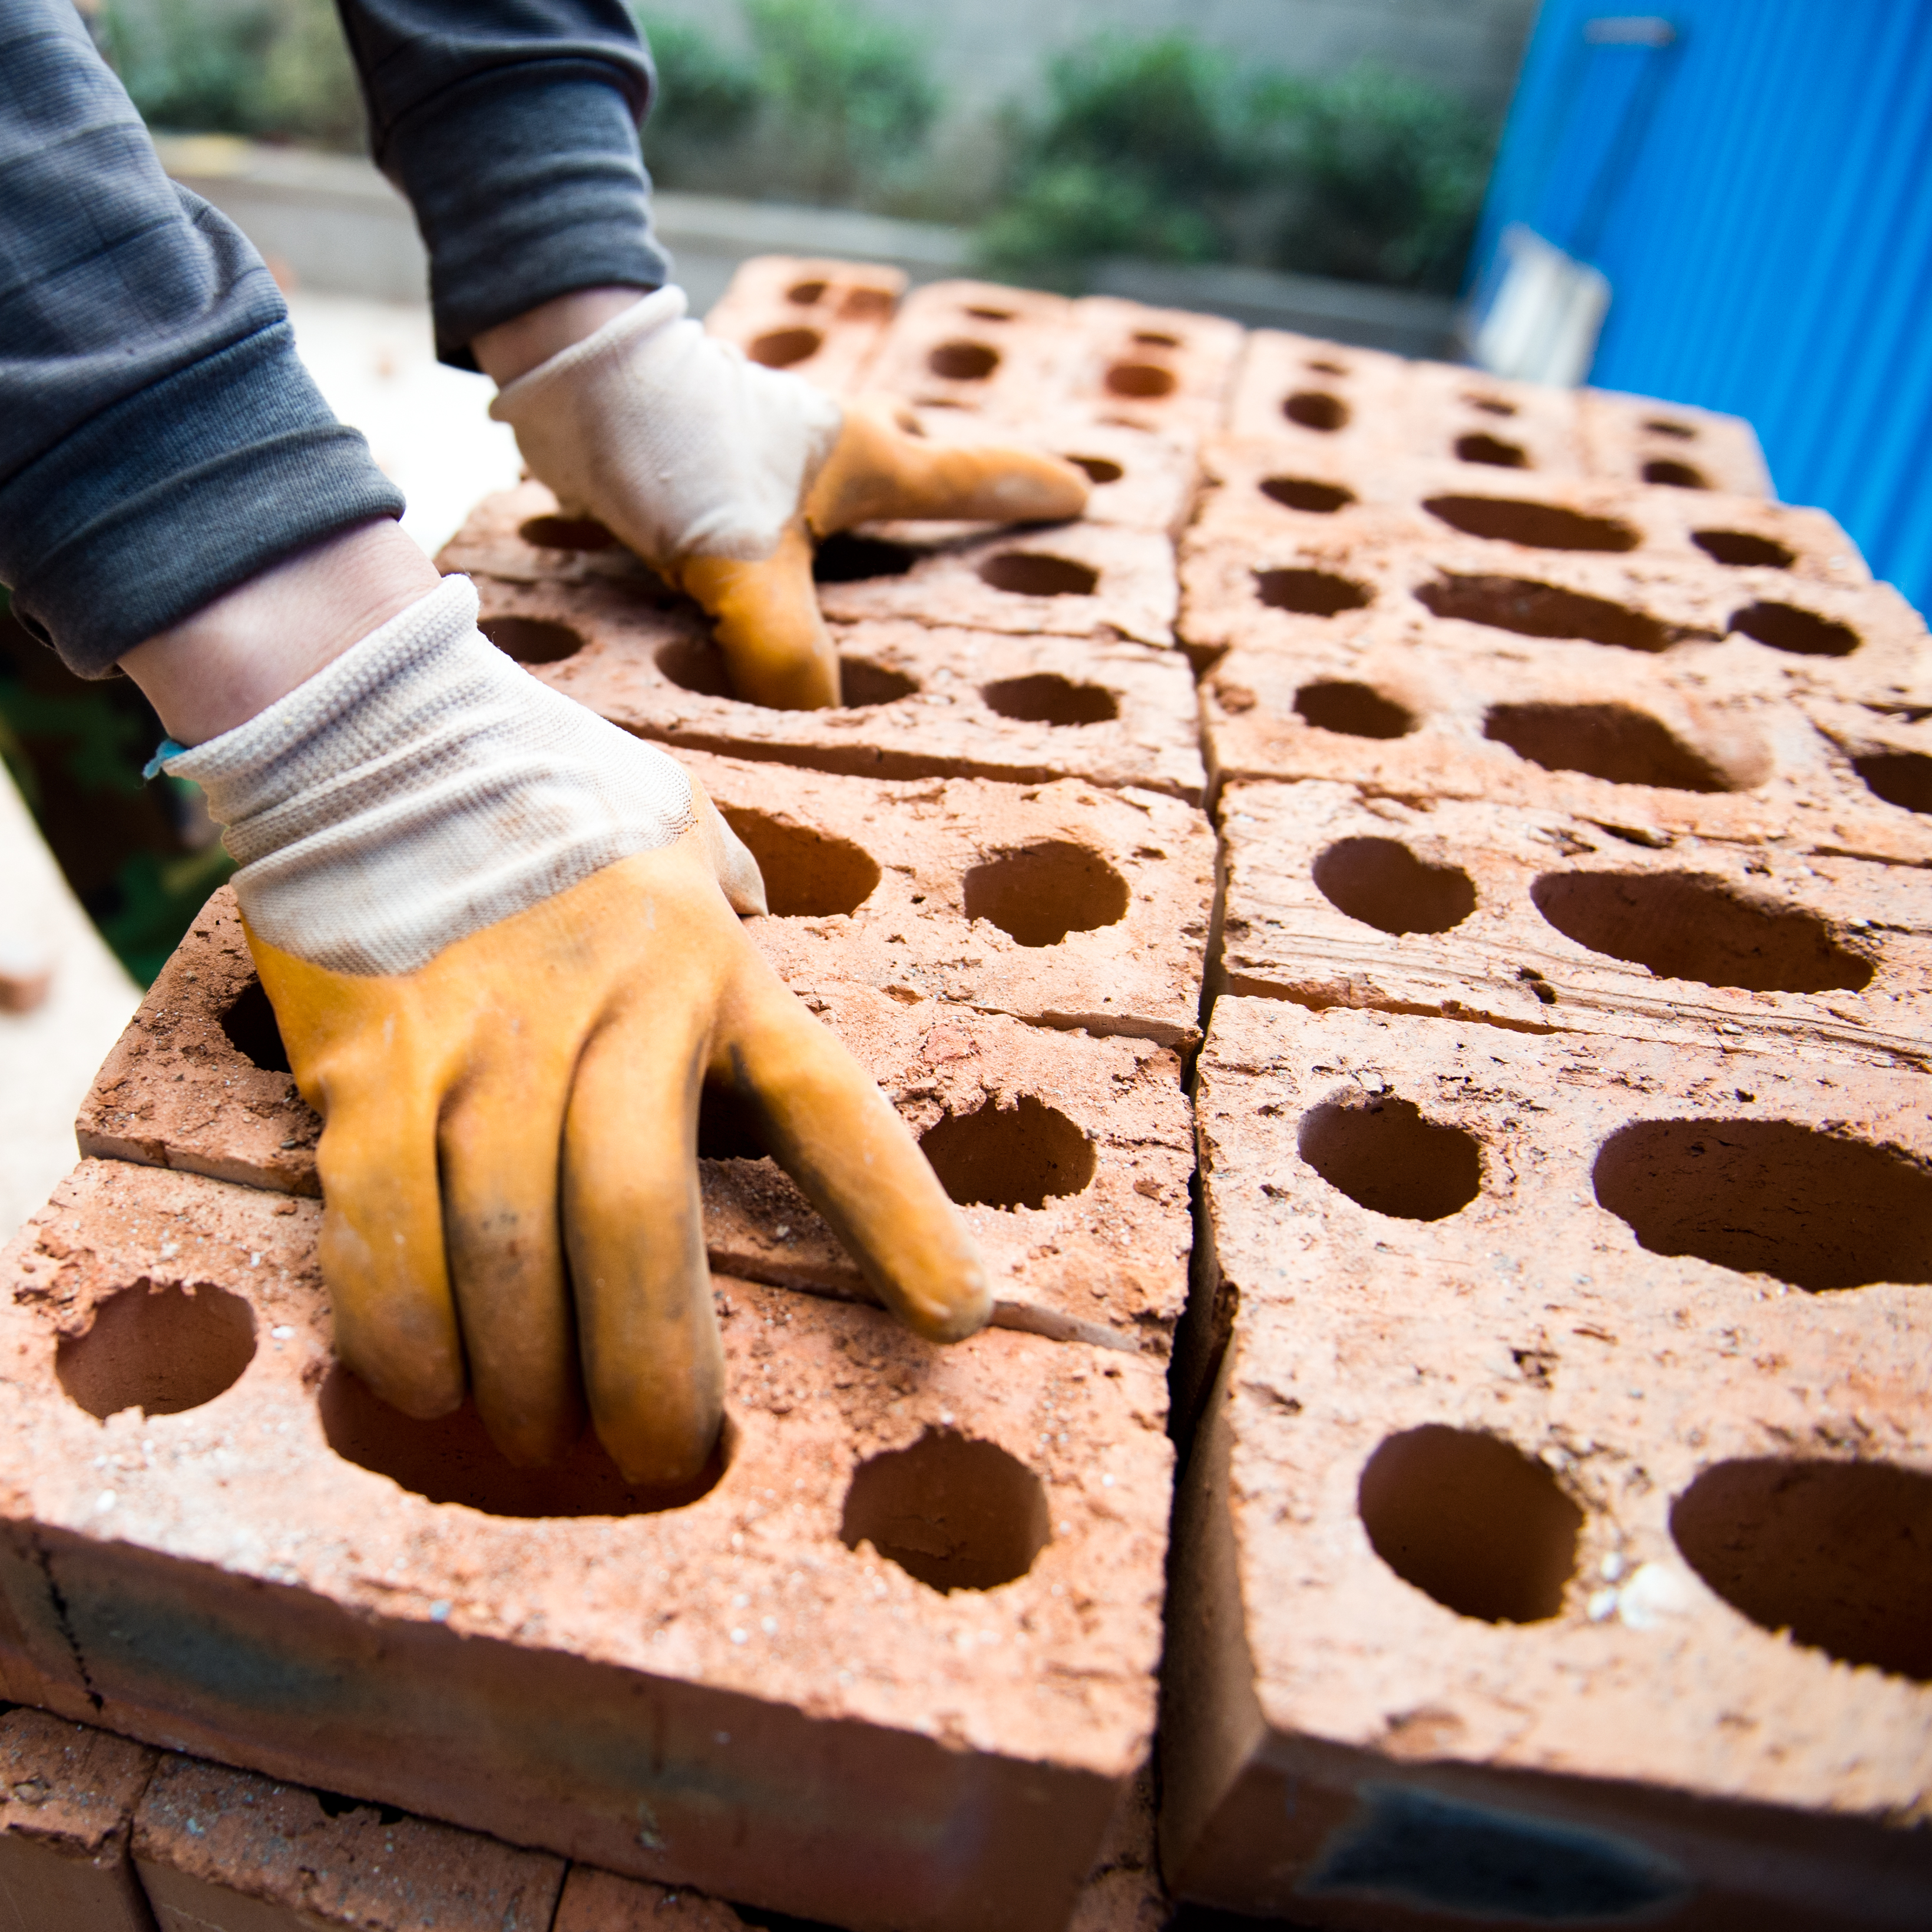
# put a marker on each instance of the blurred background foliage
(1157, 147)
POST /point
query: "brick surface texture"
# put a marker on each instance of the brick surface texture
(1404, 930)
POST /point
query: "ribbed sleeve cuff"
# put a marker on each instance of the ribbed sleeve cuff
(527, 184)
(177, 493)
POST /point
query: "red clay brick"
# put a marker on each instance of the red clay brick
(1253, 491)
(600, 1901)
(1427, 1641)
(720, 1692)
(822, 320)
(1063, 904)
(68, 1795)
(225, 1851)
(1484, 422)
(1637, 439)
(1717, 755)
(1154, 367)
(1541, 922)
(1105, 1261)
(999, 352)
(1302, 392)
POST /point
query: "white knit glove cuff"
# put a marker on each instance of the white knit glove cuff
(669, 437)
(422, 787)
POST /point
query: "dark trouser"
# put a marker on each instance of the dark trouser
(160, 443)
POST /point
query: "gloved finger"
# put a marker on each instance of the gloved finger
(730, 858)
(829, 1127)
(876, 471)
(765, 617)
(373, 1062)
(501, 1142)
(653, 1365)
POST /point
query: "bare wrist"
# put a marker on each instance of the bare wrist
(515, 347)
(236, 656)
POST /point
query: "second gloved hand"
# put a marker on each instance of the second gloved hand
(722, 474)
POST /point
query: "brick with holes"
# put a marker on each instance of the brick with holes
(68, 1794)
(1064, 904)
(1070, 1153)
(1482, 422)
(823, 320)
(917, 696)
(1543, 1540)
(998, 352)
(924, 1584)
(221, 1850)
(1285, 581)
(1253, 492)
(1541, 921)
(1638, 439)
(1155, 368)
(1306, 393)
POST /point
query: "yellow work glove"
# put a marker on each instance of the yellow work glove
(722, 475)
(496, 934)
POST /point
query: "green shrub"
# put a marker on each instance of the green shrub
(275, 69)
(707, 97)
(1162, 148)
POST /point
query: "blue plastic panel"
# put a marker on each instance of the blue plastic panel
(1758, 191)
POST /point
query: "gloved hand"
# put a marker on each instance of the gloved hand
(492, 927)
(721, 475)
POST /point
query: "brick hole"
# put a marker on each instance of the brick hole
(1743, 549)
(1662, 426)
(1804, 634)
(1325, 366)
(1386, 1157)
(1771, 1197)
(1479, 446)
(1156, 338)
(1471, 1521)
(1303, 492)
(1311, 593)
(1613, 742)
(565, 533)
(532, 639)
(990, 314)
(1038, 894)
(1048, 698)
(805, 293)
(1490, 405)
(1536, 526)
(844, 558)
(1838, 1554)
(963, 362)
(861, 304)
(1098, 468)
(1028, 573)
(1147, 382)
(453, 1460)
(862, 683)
(1903, 779)
(1673, 475)
(780, 348)
(1355, 710)
(808, 874)
(249, 1021)
(1532, 610)
(161, 1350)
(1019, 1156)
(1381, 882)
(956, 1512)
(698, 665)
(1692, 925)
(1316, 408)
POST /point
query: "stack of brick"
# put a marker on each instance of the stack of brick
(1529, 1278)
(1556, 1538)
